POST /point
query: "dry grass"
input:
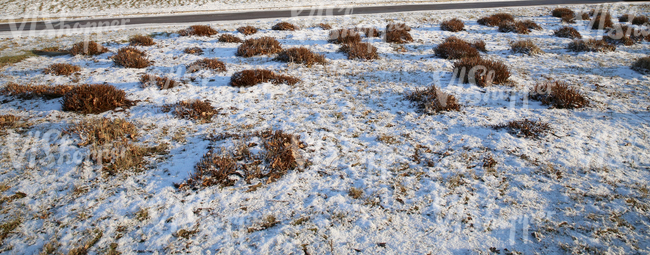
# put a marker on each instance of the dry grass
(102, 131)
(141, 40)
(485, 72)
(525, 47)
(520, 27)
(249, 78)
(432, 100)
(160, 82)
(259, 46)
(560, 12)
(87, 48)
(355, 193)
(455, 48)
(95, 98)
(197, 110)
(622, 34)
(228, 38)
(602, 21)
(569, 19)
(343, 36)
(559, 95)
(452, 25)
(198, 30)
(526, 128)
(592, 45)
(324, 26)
(642, 65)
(130, 57)
(62, 69)
(301, 55)
(247, 30)
(285, 26)
(207, 64)
(8, 121)
(398, 33)
(369, 31)
(126, 156)
(625, 18)
(640, 20)
(10, 60)
(193, 51)
(567, 32)
(7, 227)
(35, 91)
(496, 19)
(363, 51)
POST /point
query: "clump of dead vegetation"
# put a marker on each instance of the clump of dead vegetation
(193, 50)
(369, 31)
(207, 64)
(228, 38)
(432, 100)
(452, 25)
(198, 30)
(95, 98)
(8, 121)
(51, 52)
(592, 45)
(35, 91)
(285, 26)
(141, 40)
(363, 51)
(301, 55)
(567, 15)
(87, 48)
(160, 82)
(398, 33)
(324, 26)
(520, 27)
(456, 48)
(263, 157)
(482, 72)
(247, 30)
(625, 18)
(343, 36)
(602, 21)
(101, 131)
(567, 32)
(526, 128)
(558, 95)
(640, 20)
(622, 34)
(259, 46)
(496, 19)
(62, 69)
(197, 110)
(130, 57)
(249, 78)
(642, 65)
(525, 47)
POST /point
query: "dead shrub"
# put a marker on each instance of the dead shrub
(518, 27)
(479, 45)
(496, 19)
(569, 19)
(95, 98)
(585, 16)
(285, 26)
(342, 36)
(525, 47)
(207, 64)
(35, 91)
(324, 26)
(559, 12)
(197, 110)
(193, 51)
(228, 38)
(640, 20)
(355, 193)
(642, 65)
(558, 95)
(87, 48)
(455, 48)
(592, 45)
(568, 32)
(531, 25)
(259, 46)
(526, 128)
(625, 18)
(160, 82)
(62, 69)
(621, 34)
(247, 30)
(141, 40)
(301, 55)
(101, 131)
(432, 100)
(363, 51)
(398, 33)
(198, 30)
(369, 31)
(249, 78)
(260, 156)
(123, 156)
(602, 21)
(130, 57)
(452, 25)
(8, 121)
(485, 72)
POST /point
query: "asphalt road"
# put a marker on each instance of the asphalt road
(198, 18)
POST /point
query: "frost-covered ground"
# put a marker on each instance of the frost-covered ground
(581, 188)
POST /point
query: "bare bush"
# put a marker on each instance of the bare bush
(496, 19)
(197, 110)
(485, 72)
(455, 48)
(342, 36)
(640, 20)
(259, 46)
(141, 40)
(207, 64)
(568, 32)
(95, 98)
(130, 57)
(592, 45)
(88, 48)
(398, 33)
(193, 51)
(559, 95)
(228, 38)
(526, 128)
(249, 78)
(642, 65)
(363, 51)
(452, 25)
(160, 82)
(324, 26)
(525, 47)
(247, 30)
(62, 69)
(301, 55)
(432, 100)
(35, 91)
(285, 26)
(198, 30)
(560, 12)
(602, 21)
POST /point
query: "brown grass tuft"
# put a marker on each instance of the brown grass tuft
(518, 27)
(32, 91)
(525, 47)
(160, 82)
(559, 95)
(342, 36)
(193, 50)
(200, 111)
(602, 21)
(198, 30)
(591, 45)
(259, 46)
(496, 19)
(301, 55)
(363, 51)
(62, 69)
(355, 193)
(453, 25)
(285, 26)
(229, 38)
(642, 65)
(8, 121)
(94, 98)
(622, 34)
(526, 128)
(531, 25)
(369, 31)
(432, 100)
(568, 32)
(205, 64)
(130, 57)
(124, 156)
(398, 33)
(88, 48)
(324, 26)
(455, 48)
(640, 20)
(625, 18)
(570, 19)
(560, 12)
(141, 40)
(484, 72)
(101, 131)
(247, 30)
(249, 78)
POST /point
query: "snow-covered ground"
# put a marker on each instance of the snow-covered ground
(581, 188)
